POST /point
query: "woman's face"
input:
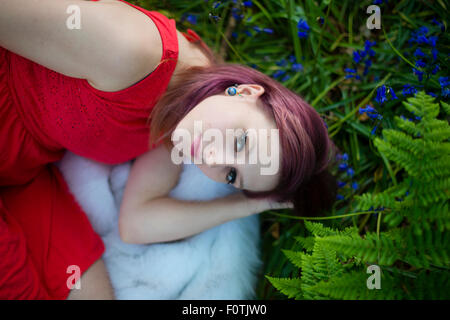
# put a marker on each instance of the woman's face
(232, 139)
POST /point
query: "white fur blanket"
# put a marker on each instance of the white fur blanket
(220, 263)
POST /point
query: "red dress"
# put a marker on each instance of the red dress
(43, 230)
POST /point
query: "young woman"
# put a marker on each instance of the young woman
(118, 87)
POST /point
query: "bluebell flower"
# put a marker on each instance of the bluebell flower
(439, 24)
(435, 69)
(192, 19)
(345, 157)
(247, 3)
(434, 53)
(374, 129)
(278, 73)
(303, 29)
(303, 25)
(297, 67)
(432, 94)
(235, 12)
(292, 58)
(444, 82)
(302, 34)
(349, 70)
(367, 64)
(381, 95)
(339, 197)
(419, 53)
(257, 29)
(234, 34)
(356, 56)
(343, 166)
(281, 63)
(355, 185)
(367, 109)
(248, 33)
(420, 63)
(432, 41)
(286, 77)
(268, 30)
(215, 5)
(408, 89)
(350, 172)
(418, 73)
(341, 184)
(393, 95)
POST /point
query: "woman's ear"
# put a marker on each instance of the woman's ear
(251, 90)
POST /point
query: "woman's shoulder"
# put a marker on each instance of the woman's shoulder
(138, 49)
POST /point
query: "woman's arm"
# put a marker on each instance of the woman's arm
(148, 215)
(116, 45)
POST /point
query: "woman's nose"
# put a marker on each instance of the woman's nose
(210, 156)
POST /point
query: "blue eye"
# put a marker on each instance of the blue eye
(231, 176)
(240, 143)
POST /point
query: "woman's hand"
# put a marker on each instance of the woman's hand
(259, 205)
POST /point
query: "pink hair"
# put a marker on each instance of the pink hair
(306, 149)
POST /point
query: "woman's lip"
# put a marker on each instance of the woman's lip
(194, 146)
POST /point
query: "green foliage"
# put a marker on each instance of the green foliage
(405, 171)
(414, 250)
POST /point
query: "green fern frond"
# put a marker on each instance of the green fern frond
(287, 286)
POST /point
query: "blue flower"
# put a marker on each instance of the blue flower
(367, 109)
(286, 77)
(343, 166)
(267, 30)
(355, 185)
(345, 157)
(381, 95)
(292, 58)
(341, 184)
(339, 197)
(192, 19)
(374, 129)
(248, 33)
(434, 52)
(350, 172)
(234, 34)
(215, 5)
(439, 24)
(247, 3)
(297, 67)
(420, 63)
(418, 73)
(408, 89)
(432, 94)
(393, 96)
(281, 63)
(432, 41)
(435, 69)
(356, 56)
(419, 53)
(235, 13)
(278, 73)
(303, 25)
(302, 34)
(444, 81)
(303, 29)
